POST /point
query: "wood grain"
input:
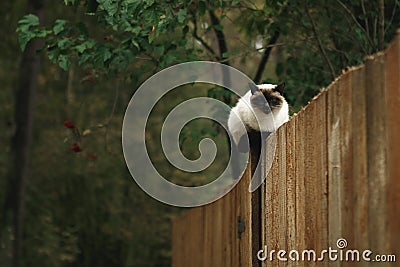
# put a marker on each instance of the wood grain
(335, 174)
(392, 82)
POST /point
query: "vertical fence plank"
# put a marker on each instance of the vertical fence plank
(255, 225)
(271, 200)
(310, 185)
(320, 177)
(377, 146)
(215, 221)
(207, 222)
(263, 219)
(334, 166)
(188, 230)
(234, 231)
(346, 160)
(359, 172)
(177, 242)
(195, 236)
(243, 211)
(275, 202)
(281, 192)
(228, 231)
(300, 186)
(316, 174)
(393, 126)
(291, 187)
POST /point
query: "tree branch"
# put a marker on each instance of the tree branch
(223, 48)
(396, 3)
(265, 57)
(365, 17)
(320, 46)
(350, 37)
(357, 23)
(202, 41)
(381, 25)
(247, 53)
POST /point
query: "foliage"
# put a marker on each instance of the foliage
(82, 207)
(318, 39)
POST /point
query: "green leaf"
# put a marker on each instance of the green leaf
(80, 48)
(202, 7)
(235, 2)
(168, 59)
(149, 2)
(26, 22)
(90, 43)
(218, 27)
(72, 2)
(152, 36)
(41, 33)
(159, 49)
(28, 30)
(181, 15)
(226, 54)
(23, 27)
(53, 53)
(59, 26)
(107, 55)
(110, 6)
(63, 62)
(101, 55)
(64, 43)
(24, 38)
(84, 58)
(133, 41)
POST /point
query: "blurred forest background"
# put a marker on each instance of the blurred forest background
(68, 71)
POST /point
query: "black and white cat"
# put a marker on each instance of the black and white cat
(254, 110)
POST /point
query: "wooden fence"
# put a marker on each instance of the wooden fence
(336, 174)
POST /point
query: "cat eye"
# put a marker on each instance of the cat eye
(274, 101)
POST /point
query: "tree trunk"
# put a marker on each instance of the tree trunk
(21, 142)
(265, 57)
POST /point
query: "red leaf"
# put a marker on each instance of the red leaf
(69, 124)
(75, 147)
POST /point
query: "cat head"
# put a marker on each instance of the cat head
(273, 94)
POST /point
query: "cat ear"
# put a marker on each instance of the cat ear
(279, 88)
(253, 88)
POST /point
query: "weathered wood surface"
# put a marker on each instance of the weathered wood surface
(209, 235)
(336, 174)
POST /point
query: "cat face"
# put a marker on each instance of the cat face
(261, 96)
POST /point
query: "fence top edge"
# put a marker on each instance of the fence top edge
(348, 71)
